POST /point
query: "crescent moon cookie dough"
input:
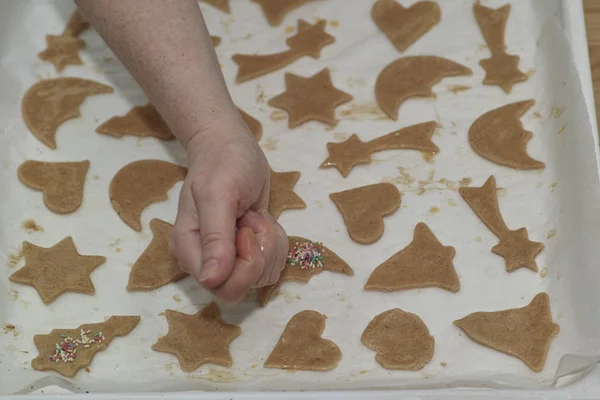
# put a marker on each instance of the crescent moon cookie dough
(524, 333)
(140, 121)
(308, 41)
(301, 346)
(67, 351)
(56, 270)
(276, 10)
(401, 340)
(282, 196)
(141, 183)
(501, 69)
(425, 262)
(346, 155)
(514, 246)
(304, 260)
(197, 339)
(363, 209)
(60, 182)
(222, 5)
(499, 137)
(156, 267)
(414, 76)
(404, 26)
(47, 104)
(62, 50)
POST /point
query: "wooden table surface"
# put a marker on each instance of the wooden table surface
(592, 20)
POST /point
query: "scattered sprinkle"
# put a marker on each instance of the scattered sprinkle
(307, 255)
(66, 350)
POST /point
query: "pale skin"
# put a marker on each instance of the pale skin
(166, 47)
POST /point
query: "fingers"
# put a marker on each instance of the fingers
(185, 237)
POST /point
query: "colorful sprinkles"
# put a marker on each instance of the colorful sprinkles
(307, 255)
(66, 350)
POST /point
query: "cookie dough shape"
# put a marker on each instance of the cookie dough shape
(409, 77)
(222, 5)
(346, 155)
(140, 121)
(501, 69)
(282, 196)
(47, 104)
(216, 40)
(276, 10)
(310, 99)
(156, 267)
(401, 340)
(62, 50)
(57, 270)
(524, 333)
(141, 183)
(499, 136)
(92, 338)
(331, 262)
(404, 26)
(301, 346)
(514, 246)
(61, 182)
(309, 41)
(196, 339)
(425, 262)
(253, 124)
(363, 209)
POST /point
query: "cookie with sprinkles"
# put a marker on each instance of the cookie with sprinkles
(66, 351)
(305, 259)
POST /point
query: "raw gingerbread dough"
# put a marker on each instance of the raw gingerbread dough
(291, 272)
(425, 262)
(345, 155)
(499, 136)
(97, 337)
(276, 10)
(216, 40)
(47, 104)
(156, 267)
(404, 26)
(57, 270)
(401, 340)
(301, 346)
(197, 339)
(309, 41)
(141, 121)
(282, 196)
(501, 69)
(524, 333)
(363, 209)
(412, 77)
(252, 123)
(514, 246)
(222, 5)
(141, 183)
(62, 50)
(61, 182)
(310, 99)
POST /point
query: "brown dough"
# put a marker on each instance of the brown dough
(404, 26)
(499, 136)
(222, 5)
(57, 270)
(524, 333)
(425, 262)
(61, 182)
(412, 77)
(197, 339)
(156, 267)
(345, 155)
(363, 209)
(501, 69)
(282, 196)
(332, 262)
(514, 246)
(111, 328)
(141, 183)
(252, 123)
(47, 104)
(62, 50)
(76, 24)
(401, 340)
(310, 99)
(309, 41)
(215, 40)
(276, 10)
(141, 121)
(301, 346)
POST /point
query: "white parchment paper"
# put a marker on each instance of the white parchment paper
(558, 206)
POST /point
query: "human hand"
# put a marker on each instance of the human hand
(227, 186)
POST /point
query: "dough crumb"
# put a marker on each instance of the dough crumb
(31, 226)
(434, 210)
(551, 234)
(443, 364)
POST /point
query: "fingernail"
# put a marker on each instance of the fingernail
(265, 214)
(208, 270)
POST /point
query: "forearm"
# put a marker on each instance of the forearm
(166, 47)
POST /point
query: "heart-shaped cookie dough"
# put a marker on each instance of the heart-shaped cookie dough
(61, 182)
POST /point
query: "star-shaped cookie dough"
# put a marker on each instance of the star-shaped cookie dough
(222, 5)
(517, 250)
(282, 196)
(57, 270)
(197, 339)
(502, 70)
(310, 99)
(62, 50)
